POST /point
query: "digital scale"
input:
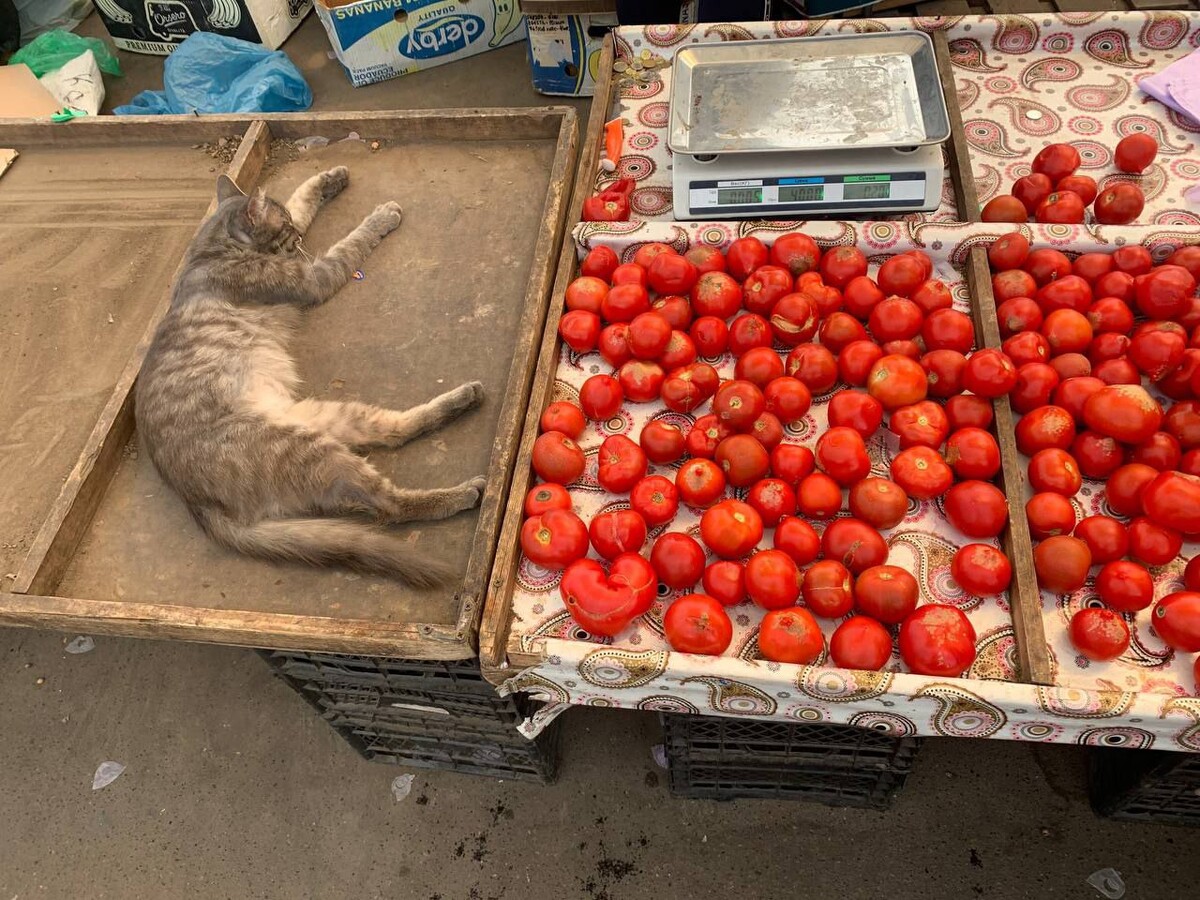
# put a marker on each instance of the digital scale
(839, 125)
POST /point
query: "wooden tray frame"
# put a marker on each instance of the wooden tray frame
(32, 603)
(500, 657)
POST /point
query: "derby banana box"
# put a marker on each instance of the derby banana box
(379, 39)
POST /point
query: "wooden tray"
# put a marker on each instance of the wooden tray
(458, 293)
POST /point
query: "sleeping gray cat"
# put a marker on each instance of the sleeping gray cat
(264, 472)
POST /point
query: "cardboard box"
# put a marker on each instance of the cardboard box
(157, 26)
(379, 39)
(565, 50)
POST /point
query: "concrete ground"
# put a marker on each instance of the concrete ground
(235, 789)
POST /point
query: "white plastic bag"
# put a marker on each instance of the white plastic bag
(45, 15)
(78, 85)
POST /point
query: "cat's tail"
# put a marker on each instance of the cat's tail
(326, 542)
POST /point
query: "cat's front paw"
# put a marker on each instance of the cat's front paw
(386, 218)
(334, 182)
(475, 488)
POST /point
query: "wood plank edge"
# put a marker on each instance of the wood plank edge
(961, 175)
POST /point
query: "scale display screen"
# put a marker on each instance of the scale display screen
(801, 193)
(867, 191)
(739, 196)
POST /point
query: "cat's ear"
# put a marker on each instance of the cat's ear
(256, 209)
(226, 188)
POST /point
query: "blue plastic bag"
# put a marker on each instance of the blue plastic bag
(212, 73)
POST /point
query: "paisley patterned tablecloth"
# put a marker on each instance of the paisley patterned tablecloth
(1022, 82)
(1143, 699)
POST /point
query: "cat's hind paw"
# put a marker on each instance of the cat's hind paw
(333, 182)
(386, 218)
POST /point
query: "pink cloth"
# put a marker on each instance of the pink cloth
(1178, 86)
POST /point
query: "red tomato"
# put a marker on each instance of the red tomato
(646, 253)
(706, 434)
(599, 263)
(797, 539)
(1049, 514)
(1034, 388)
(1013, 284)
(738, 404)
(1027, 347)
(854, 544)
(678, 560)
(989, 373)
(948, 329)
(932, 295)
(1031, 190)
(731, 528)
(744, 256)
(788, 398)
(1072, 393)
(981, 570)
(790, 636)
(710, 335)
(897, 381)
(840, 330)
(1092, 266)
(1061, 563)
(828, 589)
(973, 454)
(860, 296)
(743, 460)
(1055, 470)
(1018, 314)
(726, 581)
(1178, 386)
(748, 331)
(886, 593)
(792, 462)
(968, 411)
(826, 299)
(1008, 251)
(697, 623)
(670, 273)
(1188, 257)
(901, 275)
(1165, 293)
(1061, 207)
(544, 497)
(1123, 411)
(1119, 285)
(1135, 152)
(943, 372)
(706, 259)
(700, 482)
(1076, 365)
(855, 361)
(1182, 422)
(624, 302)
(580, 330)
(605, 603)
(1099, 634)
(1172, 500)
(1123, 491)
(662, 442)
(554, 539)
(764, 287)
(641, 381)
(621, 464)
(1067, 330)
(895, 319)
(1157, 349)
(814, 365)
(796, 252)
(617, 531)
(1159, 451)
(1119, 204)
(1176, 619)
(1190, 464)
(557, 458)
(976, 508)
(649, 334)
(680, 392)
(676, 310)
(1046, 265)
(878, 502)
(1108, 346)
(922, 473)
(586, 293)
(854, 409)
(1004, 208)
(1125, 586)
(773, 498)
(655, 499)
(794, 319)
(759, 366)
(1056, 161)
(1106, 538)
(842, 455)
(614, 345)
(923, 424)
(860, 643)
(716, 294)
(818, 496)
(937, 640)
(772, 579)
(841, 265)
(1133, 259)
(629, 273)
(563, 416)
(1083, 185)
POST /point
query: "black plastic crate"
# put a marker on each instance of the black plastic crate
(718, 758)
(455, 710)
(1145, 785)
(444, 676)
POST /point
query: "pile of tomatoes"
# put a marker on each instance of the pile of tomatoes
(887, 351)
(1055, 193)
(1108, 387)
